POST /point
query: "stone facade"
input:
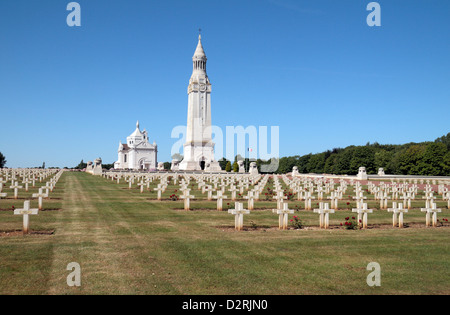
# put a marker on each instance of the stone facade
(137, 153)
(199, 148)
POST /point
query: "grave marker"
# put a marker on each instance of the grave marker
(283, 215)
(238, 213)
(16, 188)
(431, 211)
(25, 212)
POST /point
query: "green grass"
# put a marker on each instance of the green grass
(128, 243)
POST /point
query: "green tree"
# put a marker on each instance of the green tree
(410, 159)
(382, 158)
(223, 163)
(363, 156)
(330, 164)
(302, 163)
(286, 164)
(432, 160)
(228, 167)
(2, 160)
(342, 161)
(81, 165)
(445, 140)
(316, 163)
(446, 164)
(235, 167)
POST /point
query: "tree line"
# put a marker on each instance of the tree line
(425, 158)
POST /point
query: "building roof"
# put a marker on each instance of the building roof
(199, 52)
(137, 132)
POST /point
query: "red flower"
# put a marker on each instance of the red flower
(341, 224)
(353, 218)
(347, 218)
(348, 203)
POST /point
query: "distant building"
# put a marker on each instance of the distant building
(137, 153)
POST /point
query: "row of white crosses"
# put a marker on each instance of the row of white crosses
(303, 188)
(239, 213)
(324, 211)
(26, 211)
(16, 186)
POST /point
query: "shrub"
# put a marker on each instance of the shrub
(296, 223)
(350, 223)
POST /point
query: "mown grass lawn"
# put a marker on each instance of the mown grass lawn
(129, 243)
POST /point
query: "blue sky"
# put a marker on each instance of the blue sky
(314, 68)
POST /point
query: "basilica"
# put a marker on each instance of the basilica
(137, 153)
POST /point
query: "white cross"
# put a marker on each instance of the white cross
(141, 185)
(222, 187)
(26, 211)
(16, 188)
(362, 212)
(429, 199)
(241, 187)
(299, 192)
(233, 191)
(130, 181)
(251, 198)
(1, 183)
(283, 215)
(26, 181)
(334, 197)
(39, 195)
(187, 199)
(433, 210)
(46, 187)
(220, 197)
(279, 197)
(445, 196)
(238, 212)
(359, 199)
(319, 192)
(308, 199)
(407, 197)
(210, 190)
(324, 213)
(384, 200)
(397, 211)
(159, 189)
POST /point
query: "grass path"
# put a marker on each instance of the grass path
(111, 263)
(129, 244)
